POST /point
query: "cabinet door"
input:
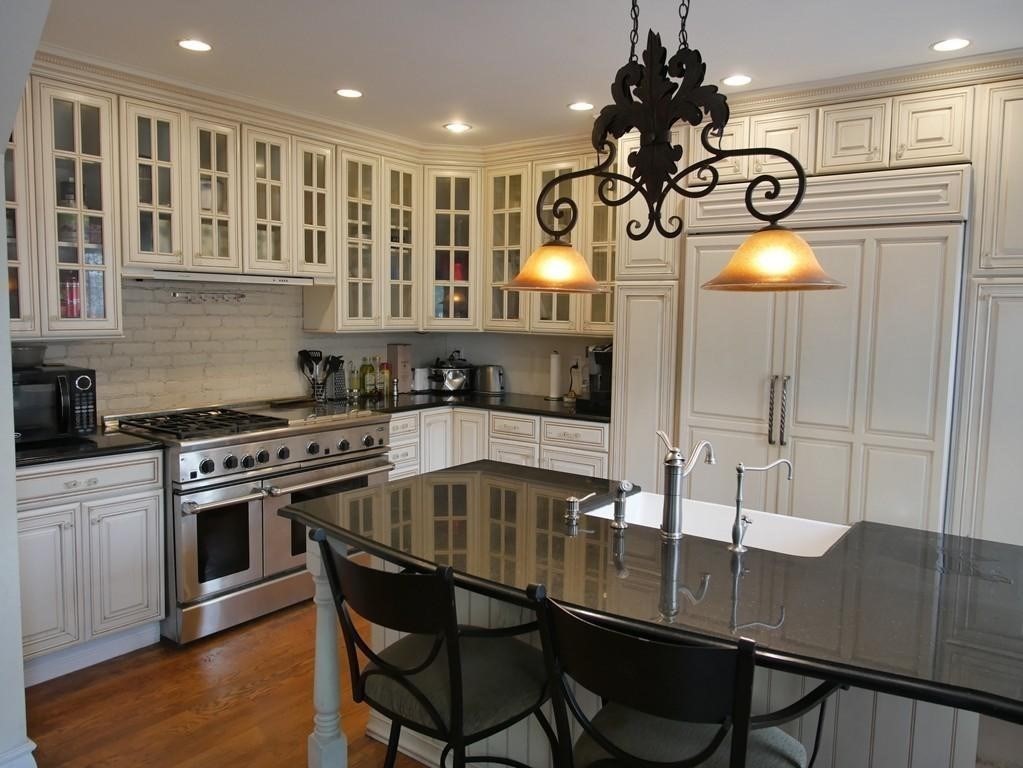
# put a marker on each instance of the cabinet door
(402, 185)
(76, 170)
(124, 561)
(586, 463)
(793, 132)
(358, 287)
(214, 193)
(435, 440)
(932, 128)
(48, 562)
(21, 259)
(470, 435)
(451, 510)
(508, 235)
(854, 137)
(1000, 242)
(556, 312)
(735, 136)
(151, 170)
(315, 230)
(267, 191)
(601, 251)
(524, 454)
(453, 261)
(503, 535)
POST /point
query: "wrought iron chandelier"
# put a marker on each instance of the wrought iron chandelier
(648, 99)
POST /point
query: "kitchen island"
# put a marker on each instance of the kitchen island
(916, 614)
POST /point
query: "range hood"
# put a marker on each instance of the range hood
(214, 277)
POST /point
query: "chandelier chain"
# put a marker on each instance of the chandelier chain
(683, 14)
(634, 37)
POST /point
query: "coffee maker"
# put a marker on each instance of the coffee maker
(598, 401)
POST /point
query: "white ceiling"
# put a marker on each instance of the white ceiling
(508, 67)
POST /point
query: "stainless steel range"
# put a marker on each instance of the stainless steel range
(230, 556)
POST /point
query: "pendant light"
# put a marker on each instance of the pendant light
(649, 98)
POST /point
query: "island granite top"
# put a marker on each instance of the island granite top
(918, 614)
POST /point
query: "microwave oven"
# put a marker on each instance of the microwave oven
(53, 402)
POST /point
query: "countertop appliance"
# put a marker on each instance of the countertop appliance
(230, 556)
(53, 403)
(490, 379)
(451, 376)
(599, 358)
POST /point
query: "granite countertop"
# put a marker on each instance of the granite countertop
(532, 404)
(85, 447)
(909, 612)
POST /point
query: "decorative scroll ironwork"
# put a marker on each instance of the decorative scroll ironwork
(648, 99)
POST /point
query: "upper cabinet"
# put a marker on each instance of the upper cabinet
(314, 217)
(358, 270)
(403, 214)
(213, 182)
(854, 137)
(452, 269)
(601, 253)
(21, 263)
(793, 132)
(508, 216)
(735, 136)
(557, 312)
(151, 167)
(932, 128)
(999, 238)
(76, 169)
(267, 192)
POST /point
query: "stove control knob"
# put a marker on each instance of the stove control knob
(368, 441)
(206, 466)
(283, 453)
(248, 462)
(263, 456)
(312, 449)
(230, 462)
(344, 445)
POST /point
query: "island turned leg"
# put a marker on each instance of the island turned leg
(328, 747)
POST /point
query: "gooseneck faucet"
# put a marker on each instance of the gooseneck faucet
(677, 469)
(742, 522)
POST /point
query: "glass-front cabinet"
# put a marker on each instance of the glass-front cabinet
(556, 312)
(21, 264)
(76, 162)
(266, 172)
(151, 171)
(402, 184)
(313, 173)
(358, 287)
(600, 252)
(214, 195)
(453, 254)
(508, 208)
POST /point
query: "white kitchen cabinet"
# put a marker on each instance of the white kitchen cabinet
(861, 379)
(601, 252)
(47, 556)
(453, 271)
(358, 285)
(214, 183)
(998, 240)
(515, 426)
(854, 137)
(509, 211)
(556, 312)
(124, 540)
(735, 136)
(575, 433)
(314, 213)
(403, 259)
(435, 439)
(469, 432)
(794, 132)
(76, 162)
(151, 166)
(932, 128)
(589, 463)
(267, 192)
(22, 272)
(515, 452)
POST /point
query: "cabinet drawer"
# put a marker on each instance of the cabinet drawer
(575, 434)
(510, 452)
(67, 479)
(404, 469)
(404, 453)
(404, 426)
(588, 463)
(515, 426)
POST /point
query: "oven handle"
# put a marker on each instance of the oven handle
(275, 491)
(192, 508)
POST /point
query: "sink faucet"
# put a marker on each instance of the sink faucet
(742, 522)
(677, 469)
(623, 490)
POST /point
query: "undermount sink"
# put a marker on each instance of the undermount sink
(775, 533)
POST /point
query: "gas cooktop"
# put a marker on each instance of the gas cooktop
(202, 422)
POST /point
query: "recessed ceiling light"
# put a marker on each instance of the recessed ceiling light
(349, 93)
(736, 80)
(195, 45)
(580, 106)
(458, 127)
(952, 44)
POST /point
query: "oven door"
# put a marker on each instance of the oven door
(219, 539)
(284, 541)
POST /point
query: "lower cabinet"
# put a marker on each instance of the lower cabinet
(511, 452)
(469, 427)
(587, 463)
(435, 440)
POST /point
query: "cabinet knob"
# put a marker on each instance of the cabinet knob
(758, 166)
(900, 151)
(67, 524)
(95, 521)
(69, 484)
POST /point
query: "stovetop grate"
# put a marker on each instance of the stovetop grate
(203, 422)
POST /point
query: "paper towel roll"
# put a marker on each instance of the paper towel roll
(556, 387)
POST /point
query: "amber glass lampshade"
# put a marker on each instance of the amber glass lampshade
(773, 259)
(555, 267)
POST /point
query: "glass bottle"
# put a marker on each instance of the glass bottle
(377, 388)
(384, 379)
(367, 378)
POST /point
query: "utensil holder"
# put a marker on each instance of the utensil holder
(320, 391)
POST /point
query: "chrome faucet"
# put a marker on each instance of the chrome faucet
(677, 469)
(742, 522)
(623, 490)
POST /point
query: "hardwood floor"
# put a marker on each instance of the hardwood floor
(240, 698)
